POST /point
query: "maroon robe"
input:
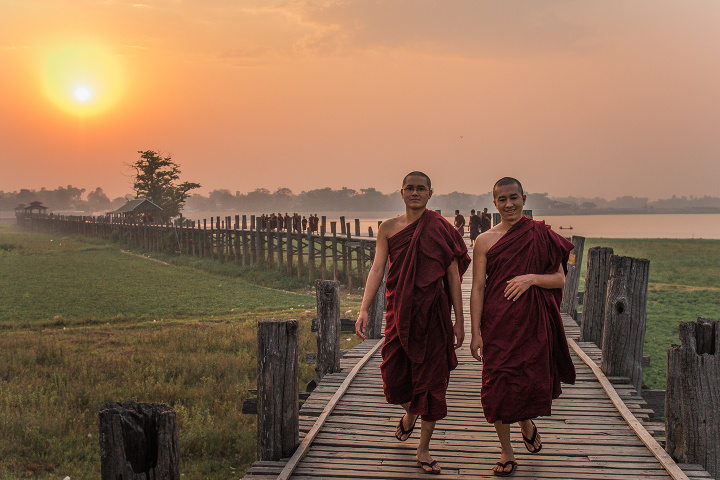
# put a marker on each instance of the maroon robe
(525, 352)
(418, 352)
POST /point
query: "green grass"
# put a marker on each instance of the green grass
(684, 285)
(83, 324)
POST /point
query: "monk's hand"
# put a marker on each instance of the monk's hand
(476, 347)
(517, 286)
(459, 330)
(361, 324)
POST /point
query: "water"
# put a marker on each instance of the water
(701, 225)
(607, 226)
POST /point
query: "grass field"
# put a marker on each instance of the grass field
(82, 323)
(684, 285)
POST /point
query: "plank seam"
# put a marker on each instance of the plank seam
(304, 446)
(663, 457)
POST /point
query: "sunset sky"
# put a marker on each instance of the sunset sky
(574, 97)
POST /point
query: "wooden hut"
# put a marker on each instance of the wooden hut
(138, 210)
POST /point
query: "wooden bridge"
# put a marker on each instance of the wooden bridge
(598, 430)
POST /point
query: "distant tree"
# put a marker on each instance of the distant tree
(97, 200)
(155, 179)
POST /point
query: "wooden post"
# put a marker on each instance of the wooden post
(625, 319)
(311, 256)
(572, 279)
(323, 253)
(377, 311)
(357, 227)
(138, 441)
(334, 243)
(277, 385)
(203, 240)
(270, 245)
(288, 245)
(692, 399)
(342, 225)
(327, 293)
(345, 257)
(299, 239)
(254, 240)
(596, 278)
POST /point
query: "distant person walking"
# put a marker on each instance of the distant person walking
(474, 225)
(459, 223)
(485, 221)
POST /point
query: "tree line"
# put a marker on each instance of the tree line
(74, 199)
(156, 177)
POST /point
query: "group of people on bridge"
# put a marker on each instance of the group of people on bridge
(519, 269)
(294, 223)
(477, 224)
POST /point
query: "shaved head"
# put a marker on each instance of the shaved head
(417, 174)
(508, 181)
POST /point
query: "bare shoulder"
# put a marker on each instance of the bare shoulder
(486, 240)
(390, 227)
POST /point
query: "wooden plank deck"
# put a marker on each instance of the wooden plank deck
(585, 438)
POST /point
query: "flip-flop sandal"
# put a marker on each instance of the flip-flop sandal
(404, 432)
(530, 442)
(431, 465)
(503, 473)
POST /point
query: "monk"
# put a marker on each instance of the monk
(460, 223)
(485, 221)
(474, 225)
(427, 257)
(519, 269)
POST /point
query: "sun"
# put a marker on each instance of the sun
(82, 80)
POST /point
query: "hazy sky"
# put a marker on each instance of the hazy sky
(574, 97)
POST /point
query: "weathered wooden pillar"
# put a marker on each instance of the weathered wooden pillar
(377, 311)
(277, 385)
(288, 245)
(357, 227)
(572, 279)
(299, 239)
(342, 225)
(625, 319)
(270, 245)
(280, 260)
(311, 256)
(596, 279)
(323, 254)
(344, 240)
(138, 441)
(692, 397)
(327, 293)
(334, 244)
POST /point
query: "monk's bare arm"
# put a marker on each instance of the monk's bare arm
(477, 295)
(377, 272)
(518, 285)
(453, 276)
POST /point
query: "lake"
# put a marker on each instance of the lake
(608, 226)
(701, 225)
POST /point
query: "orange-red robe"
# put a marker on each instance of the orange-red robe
(418, 352)
(525, 352)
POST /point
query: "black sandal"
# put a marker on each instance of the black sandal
(404, 432)
(503, 473)
(431, 465)
(530, 442)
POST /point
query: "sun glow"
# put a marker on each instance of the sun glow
(82, 80)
